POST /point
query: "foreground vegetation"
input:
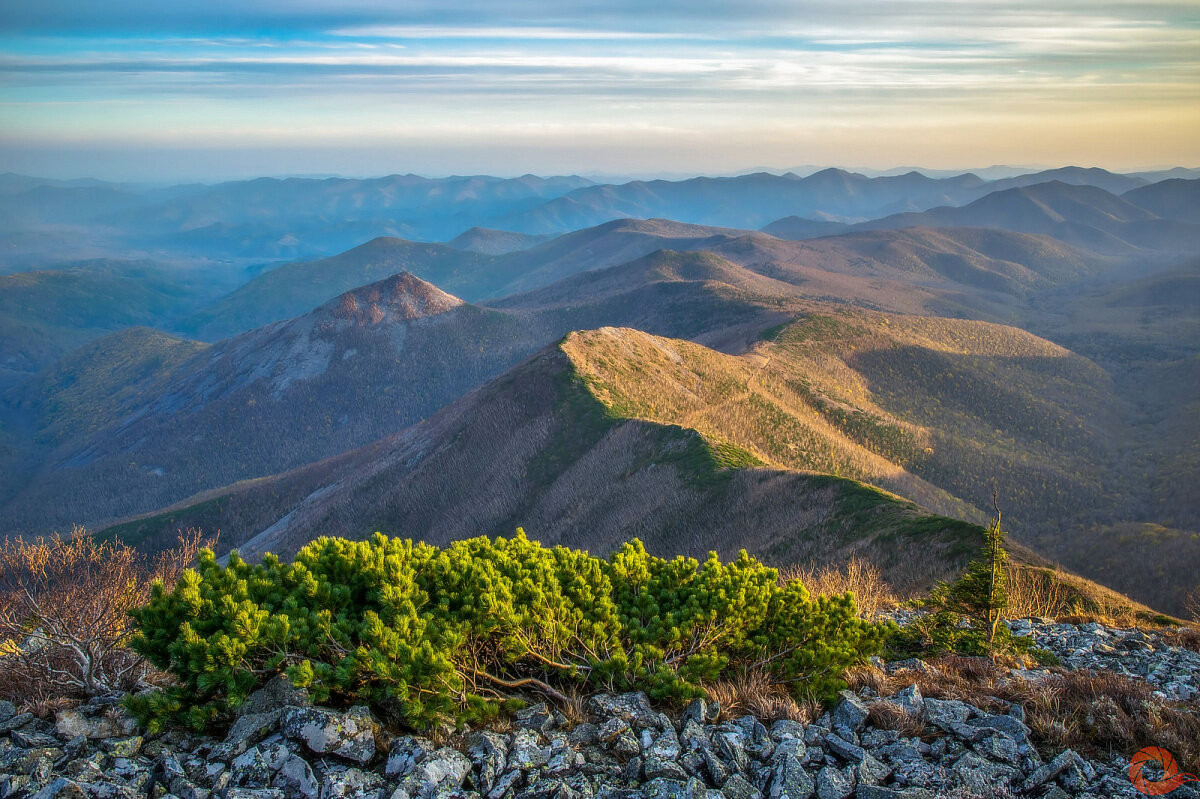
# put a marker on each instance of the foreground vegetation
(425, 634)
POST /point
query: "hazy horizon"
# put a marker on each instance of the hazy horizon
(222, 90)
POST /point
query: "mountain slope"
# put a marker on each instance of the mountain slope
(745, 201)
(362, 366)
(538, 448)
(940, 411)
(294, 289)
(45, 313)
(1170, 199)
(1084, 216)
(494, 242)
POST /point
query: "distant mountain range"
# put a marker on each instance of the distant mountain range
(593, 362)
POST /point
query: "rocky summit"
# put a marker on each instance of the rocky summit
(282, 747)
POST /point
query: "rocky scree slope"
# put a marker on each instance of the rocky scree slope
(281, 747)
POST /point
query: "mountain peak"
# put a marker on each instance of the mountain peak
(401, 297)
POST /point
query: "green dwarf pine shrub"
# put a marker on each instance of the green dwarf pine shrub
(425, 634)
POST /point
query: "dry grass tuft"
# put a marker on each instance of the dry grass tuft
(752, 691)
(1055, 594)
(872, 594)
(1101, 712)
(868, 676)
(889, 716)
(64, 614)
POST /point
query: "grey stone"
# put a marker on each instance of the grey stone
(633, 770)
(507, 782)
(7, 710)
(339, 781)
(789, 780)
(793, 747)
(254, 793)
(251, 770)
(785, 728)
(122, 747)
(61, 788)
(718, 771)
(738, 787)
(295, 777)
(674, 789)
(32, 739)
(404, 753)
(910, 700)
(74, 721)
(1007, 724)
(443, 769)
(349, 735)
(869, 771)
(489, 752)
(850, 715)
(535, 717)
(18, 721)
(1051, 770)
(833, 784)
(981, 776)
(700, 712)
(944, 712)
(999, 747)
(844, 749)
(277, 694)
(584, 734)
(731, 747)
(633, 708)
(527, 751)
(666, 746)
(656, 767)
(694, 736)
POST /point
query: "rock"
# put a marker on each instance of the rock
(1051, 770)
(738, 787)
(32, 739)
(976, 774)
(7, 710)
(489, 753)
(507, 782)
(784, 729)
(443, 769)
(122, 747)
(276, 695)
(999, 747)
(295, 777)
(253, 793)
(833, 784)
(789, 780)
(21, 720)
(633, 708)
(1007, 724)
(61, 788)
(717, 768)
(339, 781)
(584, 734)
(674, 789)
(251, 770)
(74, 721)
(945, 712)
(404, 753)
(666, 746)
(849, 716)
(869, 771)
(535, 717)
(700, 712)
(658, 767)
(910, 699)
(526, 751)
(349, 735)
(844, 749)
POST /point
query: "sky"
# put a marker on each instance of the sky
(185, 90)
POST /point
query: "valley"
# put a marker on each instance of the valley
(596, 362)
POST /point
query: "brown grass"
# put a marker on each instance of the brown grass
(1101, 712)
(64, 614)
(1094, 713)
(889, 716)
(1055, 594)
(752, 691)
(872, 594)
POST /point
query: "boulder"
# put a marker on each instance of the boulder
(349, 735)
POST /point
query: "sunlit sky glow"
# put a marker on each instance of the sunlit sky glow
(187, 90)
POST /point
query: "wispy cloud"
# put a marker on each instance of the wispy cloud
(774, 71)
